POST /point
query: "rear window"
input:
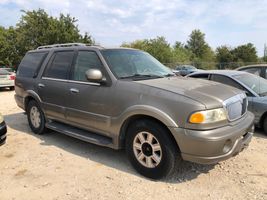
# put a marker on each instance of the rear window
(30, 64)
(4, 72)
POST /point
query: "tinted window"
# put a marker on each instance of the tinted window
(60, 65)
(226, 80)
(85, 60)
(255, 71)
(202, 76)
(30, 64)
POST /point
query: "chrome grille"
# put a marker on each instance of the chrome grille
(236, 106)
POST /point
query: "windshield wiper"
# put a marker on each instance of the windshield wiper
(141, 76)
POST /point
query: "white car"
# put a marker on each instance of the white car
(7, 79)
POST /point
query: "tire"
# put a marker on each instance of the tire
(12, 88)
(264, 125)
(36, 118)
(167, 155)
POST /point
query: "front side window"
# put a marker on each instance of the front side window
(30, 64)
(126, 63)
(85, 60)
(60, 65)
(255, 83)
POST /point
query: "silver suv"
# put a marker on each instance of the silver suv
(125, 98)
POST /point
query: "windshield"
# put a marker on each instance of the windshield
(126, 63)
(255, 83)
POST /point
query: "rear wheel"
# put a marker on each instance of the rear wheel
(36, 117)
(12, 88)
(150, 149)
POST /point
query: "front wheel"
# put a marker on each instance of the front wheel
(151, 150)
(36, 118)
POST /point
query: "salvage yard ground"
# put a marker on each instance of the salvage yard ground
(54, 166)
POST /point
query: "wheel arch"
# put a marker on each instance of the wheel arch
(132, 119)
(31, 95)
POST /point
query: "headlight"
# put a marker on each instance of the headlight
(208, 116)
(1, 118)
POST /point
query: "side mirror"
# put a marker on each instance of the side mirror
(94, 75)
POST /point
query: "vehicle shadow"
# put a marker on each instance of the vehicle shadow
(105, 156)
(5, 89)
(260, 133)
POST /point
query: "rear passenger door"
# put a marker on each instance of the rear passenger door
(89, 104)
(53, 86)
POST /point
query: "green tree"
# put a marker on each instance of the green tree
(202, 54)
(181, 55)
(8, 45)
(224, 57)
(245, 54)
(158, 47)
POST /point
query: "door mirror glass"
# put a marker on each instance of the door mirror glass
(94, 75)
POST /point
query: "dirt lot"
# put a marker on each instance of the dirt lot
(54, 166)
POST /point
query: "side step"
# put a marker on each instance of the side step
(80, 134)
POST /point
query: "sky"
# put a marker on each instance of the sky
(112, 22)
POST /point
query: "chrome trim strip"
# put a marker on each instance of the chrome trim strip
(71, 81)
(234, 99)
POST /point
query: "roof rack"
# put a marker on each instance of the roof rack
(62, 45)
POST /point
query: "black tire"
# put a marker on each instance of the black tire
(170, 154)
(264, 125)
(41, 129)
(12, 88)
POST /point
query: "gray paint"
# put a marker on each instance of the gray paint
(104, 108)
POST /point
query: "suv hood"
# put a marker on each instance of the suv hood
(209, 93)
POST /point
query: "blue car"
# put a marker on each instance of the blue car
(186, 69)
(254, 86)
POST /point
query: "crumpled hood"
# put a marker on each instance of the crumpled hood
(209, 93)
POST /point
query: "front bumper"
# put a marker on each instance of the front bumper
(212, 146)
(3, 131)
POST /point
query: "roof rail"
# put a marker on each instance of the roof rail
(62, 45)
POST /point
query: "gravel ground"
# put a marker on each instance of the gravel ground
(55, 166)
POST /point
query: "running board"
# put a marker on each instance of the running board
(80, 134)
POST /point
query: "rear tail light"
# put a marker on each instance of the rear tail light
(12, 77)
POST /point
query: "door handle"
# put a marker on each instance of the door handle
(40, 85)
(74, 90)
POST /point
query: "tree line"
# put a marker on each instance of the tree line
(36, 28)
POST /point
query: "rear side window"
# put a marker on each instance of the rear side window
(30, 64)
(59, 65)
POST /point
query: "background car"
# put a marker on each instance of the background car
(7, 79)
(254, 86)
(3, 130)
(259, 70)
(10, 70)
(186, 69)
